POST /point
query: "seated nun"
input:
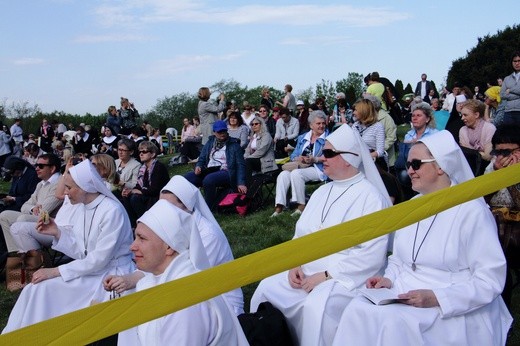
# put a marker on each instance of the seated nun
(98, 242)
(448, 270)
(167, 247)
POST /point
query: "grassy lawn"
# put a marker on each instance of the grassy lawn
(246, 235)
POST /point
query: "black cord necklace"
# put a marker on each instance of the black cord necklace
(86, 235)
(323, 217)
(414, 255)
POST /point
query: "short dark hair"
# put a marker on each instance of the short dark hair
(130, 144)
(284, 110)
(506, 134)
(52, 159)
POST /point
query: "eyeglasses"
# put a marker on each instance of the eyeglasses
(416, 163)
(121, 149)
(516, 60)
(42, 165)
(503, 152)
(263, 111)
(254, 124)
(330, 153)
(144, 151)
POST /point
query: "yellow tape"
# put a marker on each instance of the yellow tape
(87, 325)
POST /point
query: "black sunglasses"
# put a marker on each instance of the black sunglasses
(503, 152)
(42, 165)
(330, 153)
(416, 163)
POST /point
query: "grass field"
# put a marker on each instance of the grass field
(246, 235)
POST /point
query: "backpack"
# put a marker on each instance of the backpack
(266, 327)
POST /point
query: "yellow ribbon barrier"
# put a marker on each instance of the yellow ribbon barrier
(101, 320)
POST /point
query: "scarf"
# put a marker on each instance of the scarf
(141, 175)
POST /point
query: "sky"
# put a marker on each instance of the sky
(81, 56)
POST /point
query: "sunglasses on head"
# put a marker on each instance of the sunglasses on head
(503, 152)
(330, 153)
(42, 165)
(416, 163)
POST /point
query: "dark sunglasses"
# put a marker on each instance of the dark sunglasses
(330, 153)
(503, 152)
(416, 163)
(144, 151)
(254, 124)
(42, 165)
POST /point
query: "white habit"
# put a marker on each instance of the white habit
(105, 229)
(462, 262)
(313, 316)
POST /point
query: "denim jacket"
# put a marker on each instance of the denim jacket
(236, 164)
(318, 147)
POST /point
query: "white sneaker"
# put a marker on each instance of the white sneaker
(276, 213)
(296, 213)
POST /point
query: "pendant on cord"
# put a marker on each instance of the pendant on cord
(413, 266)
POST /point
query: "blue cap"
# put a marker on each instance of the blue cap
(219, 125)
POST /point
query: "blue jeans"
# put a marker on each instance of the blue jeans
(210, 183)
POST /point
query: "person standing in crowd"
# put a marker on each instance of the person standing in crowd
(128, 116)
(423, 87)
(5, 144)
(221, 164)
(208, 112)
(113, 120)
(99, 244)
(153, 175)
(289, 101)
(313, 295)
(46, 136)
(510, 92)
(376, 88)
(17, 137)
(448, 270)
(266, 98)
(287, 130)
(167, 247)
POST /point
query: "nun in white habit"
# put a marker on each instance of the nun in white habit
(213, 238)
(184, 195)
(98, 242)
(313, 296)
(167, 247)
(449, 268)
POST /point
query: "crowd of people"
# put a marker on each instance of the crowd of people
(109, 205)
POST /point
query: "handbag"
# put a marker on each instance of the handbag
(291, 166)
(208, 170)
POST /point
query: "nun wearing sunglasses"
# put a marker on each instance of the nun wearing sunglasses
(448, 270)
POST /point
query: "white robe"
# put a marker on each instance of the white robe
(80, 284)
(313, 317)
(208, 323)
(462, 262)
(218, 250)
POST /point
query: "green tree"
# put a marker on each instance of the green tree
(352, 86)
(326, 90)
(306, 95)
(488, 60)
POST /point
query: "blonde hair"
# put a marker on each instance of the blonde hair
(365, 112)
(106, 167)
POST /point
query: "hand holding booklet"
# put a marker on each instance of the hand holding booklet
(380, 296)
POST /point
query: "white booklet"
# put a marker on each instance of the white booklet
(380, 296)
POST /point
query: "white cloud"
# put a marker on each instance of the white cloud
(111, 38)
(151, 11)
(28, 61)
(183, 63)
